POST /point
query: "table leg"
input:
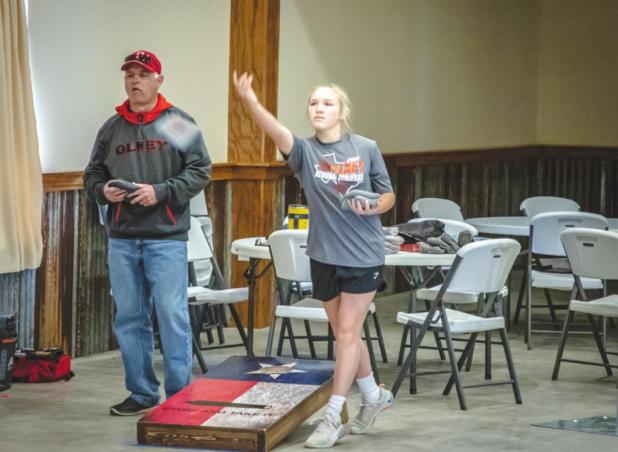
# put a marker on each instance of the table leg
(251, 277)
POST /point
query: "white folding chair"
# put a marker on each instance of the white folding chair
(592, 254)
(199, 209)
(199, 249)
(291, 264)
(480, 267)
(427, 294)
(437, 208)
(541, 204)
(547, 267)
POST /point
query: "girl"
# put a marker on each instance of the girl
(345, 242)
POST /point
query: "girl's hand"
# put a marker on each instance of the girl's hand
(244, 89)
(362, 207)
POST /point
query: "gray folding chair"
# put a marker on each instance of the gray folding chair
(482, 268)
(541, 204)
(437, 208)
(592, 254)
(214, 294)
(546, 256)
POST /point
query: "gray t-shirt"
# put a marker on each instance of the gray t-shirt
(326, 172)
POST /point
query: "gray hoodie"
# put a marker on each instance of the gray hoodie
(136, 152)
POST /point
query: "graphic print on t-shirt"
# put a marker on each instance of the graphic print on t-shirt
(343, 175)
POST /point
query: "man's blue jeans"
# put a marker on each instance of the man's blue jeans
(144, 273)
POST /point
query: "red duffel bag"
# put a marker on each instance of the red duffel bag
(38, 366)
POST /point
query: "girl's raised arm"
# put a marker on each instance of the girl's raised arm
(280, 134)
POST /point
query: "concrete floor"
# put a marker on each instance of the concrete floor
(73, 416)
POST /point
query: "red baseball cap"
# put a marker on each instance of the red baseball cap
(144, 58)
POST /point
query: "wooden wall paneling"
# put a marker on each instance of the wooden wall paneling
(418, 189)
(612, 188)
(592, 191)
(292, 193)
(518, 171)
(453, 183)
(608, 186)
(55, 276)
(578, 173)
(474, 202)
(435, 181)
(463, 189)
(506, 187)
(17, 297)
(406, 182)
(94, 304)
(390, 217)
(494, 188)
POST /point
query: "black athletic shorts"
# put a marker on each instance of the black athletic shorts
(330, 280)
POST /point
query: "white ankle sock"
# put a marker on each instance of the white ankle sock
(369, 389)
(334, 407)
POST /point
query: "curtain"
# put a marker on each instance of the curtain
(21, 187)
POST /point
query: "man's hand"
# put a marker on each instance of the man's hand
(145, 196)
(114, 194)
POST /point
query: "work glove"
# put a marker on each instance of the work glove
(426, 248)
(444, 242)
(464, 238)
(392, 241)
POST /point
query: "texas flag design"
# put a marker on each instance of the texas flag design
(343, 175)
(247, 393)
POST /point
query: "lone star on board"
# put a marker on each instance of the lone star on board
(276, 371)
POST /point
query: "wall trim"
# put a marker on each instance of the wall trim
(72, 180)
(65, 181)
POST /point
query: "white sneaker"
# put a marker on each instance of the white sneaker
(368, 412)
(326, 434)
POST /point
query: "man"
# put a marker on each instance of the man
(147, 230)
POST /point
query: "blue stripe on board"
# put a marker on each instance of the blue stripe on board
(273, 370)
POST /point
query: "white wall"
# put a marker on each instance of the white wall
(476, 65)
(422, 74)
(365, 46)
(578, 73)
(77, 47)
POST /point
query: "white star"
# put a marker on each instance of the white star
(276, 371)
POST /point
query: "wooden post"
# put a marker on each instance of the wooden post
(254, 48)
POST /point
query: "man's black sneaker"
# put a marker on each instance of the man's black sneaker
(129, 407)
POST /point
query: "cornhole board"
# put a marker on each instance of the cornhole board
(242, 404)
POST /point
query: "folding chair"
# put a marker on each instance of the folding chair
(592, 254)
(480, 267)
(214, 294)
(533, 206)
(291, 264)
(427, 294)
(214, 316)
(541, 204)
(436, 208)
(547, 266)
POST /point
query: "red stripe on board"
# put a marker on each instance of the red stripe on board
(178, 410)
